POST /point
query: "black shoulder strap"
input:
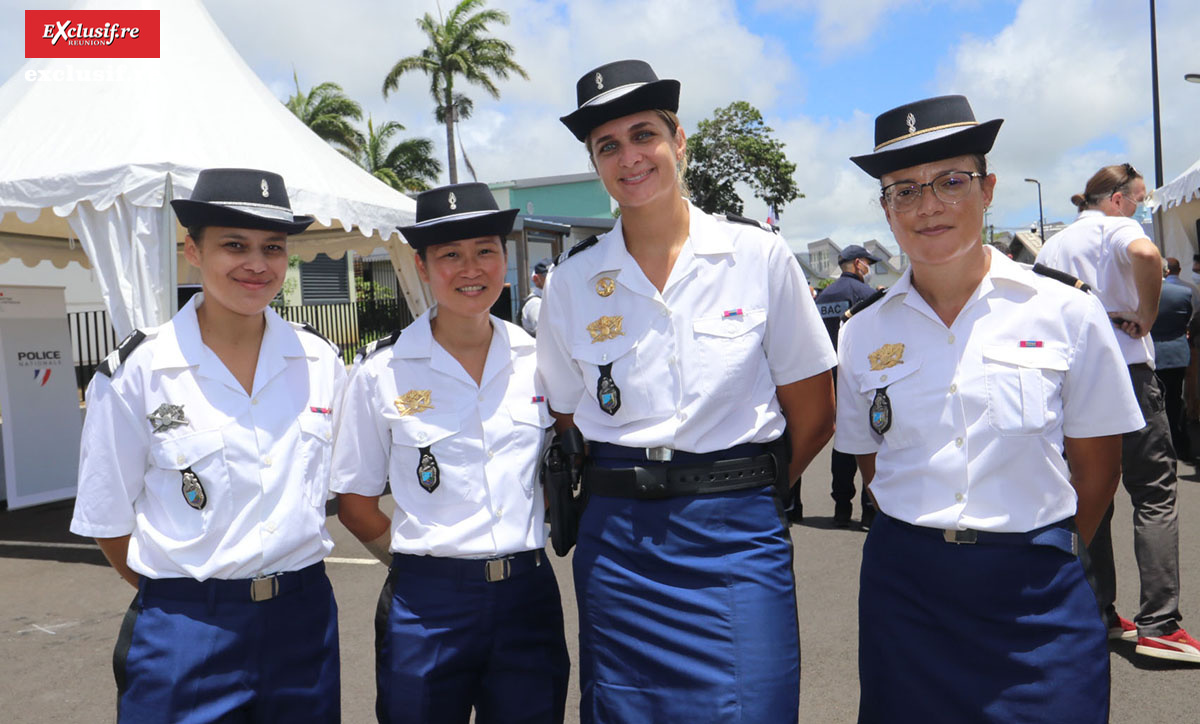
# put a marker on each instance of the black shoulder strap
(581, 246)
(865, 303)
(372, 347)
(750, 222)
(1061, 276)
(108, 367)
(313, 330)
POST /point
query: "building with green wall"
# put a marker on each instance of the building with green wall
(580, 194)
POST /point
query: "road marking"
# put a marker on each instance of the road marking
(49, 628)
(94, 547)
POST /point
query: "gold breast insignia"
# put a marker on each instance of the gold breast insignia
(889, 355)
(606, 286)
(605, 328)
(414, 401)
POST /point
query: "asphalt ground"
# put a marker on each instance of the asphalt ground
(61, 607)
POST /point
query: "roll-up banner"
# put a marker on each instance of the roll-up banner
(39, 398)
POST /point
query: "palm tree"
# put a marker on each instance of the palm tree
(328, 111)
(406, 166)
(458, 47)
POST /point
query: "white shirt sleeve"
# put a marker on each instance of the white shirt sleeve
(1097, 394)
(112, 464)
(362, 445)
(796, 342)
(555, 366)
(853, 434)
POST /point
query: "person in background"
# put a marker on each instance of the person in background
(959, 390)
(687, 350)
(833, 303)
(204, 475)
(1110, 252)
(532, 306)
(1172, 352)
(451, 413)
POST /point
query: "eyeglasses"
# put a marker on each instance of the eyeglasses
(949, 188)
(1131, 175)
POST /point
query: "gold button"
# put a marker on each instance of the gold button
(958, 442)
(958, 497)
(953, 388)
(883, 378)
(950, 340)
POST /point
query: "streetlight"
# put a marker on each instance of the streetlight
(1192, 77)
(1041, 220)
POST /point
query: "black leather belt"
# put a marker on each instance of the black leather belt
(263, 588)
(668, 480)
(469, 569)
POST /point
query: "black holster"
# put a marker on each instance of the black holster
(562, 474)
(781, 449)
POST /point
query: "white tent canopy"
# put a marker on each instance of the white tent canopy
(95, 148)
(1179, 201)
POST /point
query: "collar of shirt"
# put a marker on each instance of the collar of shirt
(417, 342)
(1002, 270)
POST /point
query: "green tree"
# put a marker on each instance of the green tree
(736, 146)
(328, 111)
(459, 47)
(407, 166)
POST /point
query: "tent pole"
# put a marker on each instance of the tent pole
(171, 302)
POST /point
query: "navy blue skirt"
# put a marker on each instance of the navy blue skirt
(687, 611)
(976, 633)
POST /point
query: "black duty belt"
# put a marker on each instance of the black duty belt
(685, 474)
(262, 588)
(468, 569)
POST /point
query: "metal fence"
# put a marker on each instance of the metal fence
(348, 325)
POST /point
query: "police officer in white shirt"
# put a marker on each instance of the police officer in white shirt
(450, 412)
(532, 306)
(687, 349)
(959, 390)
(204, 475)
(1111, 252)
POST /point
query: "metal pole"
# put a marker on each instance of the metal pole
(1158, 169)
(1041, 218)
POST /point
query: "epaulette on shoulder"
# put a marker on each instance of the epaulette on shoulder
(313, 330)
(108, 367)
(371, 348)
(1061, 276)
(752, 222)
(865, 303)
(581, 246)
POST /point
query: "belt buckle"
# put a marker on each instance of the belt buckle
(498, 569)
(659, 454)
(960, 537)
(264, 588)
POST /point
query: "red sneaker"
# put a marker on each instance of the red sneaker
(1178, 646)
(1125, 630)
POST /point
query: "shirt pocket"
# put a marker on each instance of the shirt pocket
(901, 383)
(729, 351)
(621, 353)
(202, 453)
(316, 435)
(529, 434)
(1020, 386)
(459, 462)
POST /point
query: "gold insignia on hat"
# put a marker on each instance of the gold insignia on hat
(606, 286)
(599, 82)
(912, 123)
(414, 401)
(266, 190)
(889, 355)
(605, 328)
(453, 201)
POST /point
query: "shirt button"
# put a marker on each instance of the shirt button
(179, 459)
(953, 388)
(491, 454)
(499, 512)
(672, 359)
(604, 358)
(266, 460)
(950, 339)
(958, 442)
(254, 401)
(421, 436)
(682, 416)
(666, 312)
(329, 436)
(958, 497)
(883, 378)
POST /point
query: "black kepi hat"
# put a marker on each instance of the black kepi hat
(619, 89)
(242, 198)
(457, 211)
(855, 251)
(925, 131)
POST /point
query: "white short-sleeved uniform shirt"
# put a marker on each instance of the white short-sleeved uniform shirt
(487, 440)
(1095, 249)
(697, 364)
(262, 458)
(979, 409)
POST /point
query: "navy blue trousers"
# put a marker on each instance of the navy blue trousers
(687, 611)
(446, 644)
(976, 633)
(188, 655)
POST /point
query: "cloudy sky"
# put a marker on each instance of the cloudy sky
(1071, 78)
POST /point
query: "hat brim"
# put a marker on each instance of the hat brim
(654, 96)
(202, 213)
(976, 139)
(497, 223)
(868, 257)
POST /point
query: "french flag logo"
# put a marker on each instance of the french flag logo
(42, 376)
